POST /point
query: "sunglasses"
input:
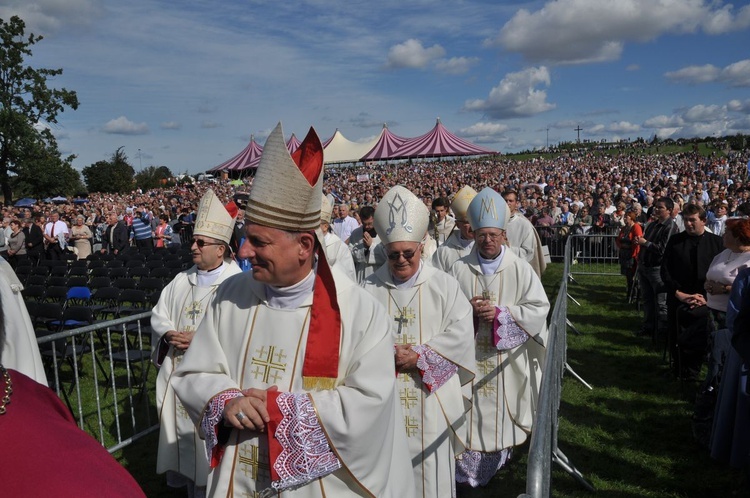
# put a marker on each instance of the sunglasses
(201, 243)
(408, 255)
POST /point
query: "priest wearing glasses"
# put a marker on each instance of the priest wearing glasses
(290, 373)
(434, 334)
(510, 311)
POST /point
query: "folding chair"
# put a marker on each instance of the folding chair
(57, 281)
(58, 271)
(36, 280)
(165, 274)
(134, 352)
(34, 293)
(78, 296)
(78, 271)
(120, 272)
(101, 271)
(138, 272)
(97, 282)
(104, 302)
(125, 283)
(77, 281)
(150, 286)
(56, 294)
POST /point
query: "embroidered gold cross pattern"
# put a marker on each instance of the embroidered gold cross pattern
(194, 310)
(408, 398)
(405, 317)
(268, 363)
(253, 461)
(487, 366)
(406, 339)
(489, 296)
(411, 426)
(484, 344)
(181, 411)
(488, 390)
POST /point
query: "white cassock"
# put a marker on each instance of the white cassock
(525, 243)
(338, 255)
(444, 229)
(436, 318)
(245, 343)
(20, 351)
(509, 354)
(181, 307)
(366, 261)
(451, 251)
(428, 250)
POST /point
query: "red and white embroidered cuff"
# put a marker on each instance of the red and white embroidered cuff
(213, 417)
(506, 332)
(435, 369)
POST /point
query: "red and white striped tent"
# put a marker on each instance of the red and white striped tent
(293, 143)
(439, 142)
(387, 144)
(247, 159)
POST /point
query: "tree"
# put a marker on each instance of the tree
(26, 101)
(113, 176)
(43, 173)
(152, 177)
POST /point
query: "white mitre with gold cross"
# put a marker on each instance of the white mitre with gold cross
(461, 201)
(213, 220)
(401, 217)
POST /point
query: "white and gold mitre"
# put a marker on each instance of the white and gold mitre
(326, 209)
(401, 217)
(287, 189)
(488, 210)
(213, 220)
(461, 201)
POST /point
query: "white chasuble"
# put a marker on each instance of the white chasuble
(506, 387)
(451, 251)
(434, 316)
(181, 307)
(524, 241)
(338, 255)
(244, 343)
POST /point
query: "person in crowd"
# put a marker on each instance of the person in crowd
(34, 233)
(628, 249)
(510, 312)
(115, 236)
(163, 232)
(344, 225)
(16, 244)
(81, 236)
(290, 374)
(461, 241)
(434, 334)
(337, 252)
(442, 224)
(56, 236)
(687, 257)
(174, 320)
(141, 229)
(522, 237)
(365, 245)
(543, 226)
(650, 257)
(238, 237)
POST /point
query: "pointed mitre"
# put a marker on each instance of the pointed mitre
(213, 220)
(401, 217)
(326, 210)
(287, 189)
(461, 201)
(488, 210)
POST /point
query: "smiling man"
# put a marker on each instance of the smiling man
(290, 375)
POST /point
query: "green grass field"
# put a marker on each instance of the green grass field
(630, 436)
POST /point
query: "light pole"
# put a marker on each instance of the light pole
(140, 160)
(548, 138)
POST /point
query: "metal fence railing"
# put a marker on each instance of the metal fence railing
(543, 448)
(103, 373)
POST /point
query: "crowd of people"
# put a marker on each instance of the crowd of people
(381, 330)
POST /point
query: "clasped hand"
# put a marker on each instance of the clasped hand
(253, 407)
(483, 309)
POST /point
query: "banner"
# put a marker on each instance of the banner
(366, 177)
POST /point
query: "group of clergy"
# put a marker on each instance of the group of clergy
(379, 368)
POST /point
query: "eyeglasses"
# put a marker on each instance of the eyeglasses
(395, 256)
(485, 236)
(201, 243)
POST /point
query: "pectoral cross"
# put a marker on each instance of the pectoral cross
(486, 295)
(404, 317)
(194, 310)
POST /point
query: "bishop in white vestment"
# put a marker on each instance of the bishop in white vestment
(434, 333)
(510, 308)
(461, 241)
(523, 239)
(336, 251)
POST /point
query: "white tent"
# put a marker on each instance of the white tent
(339, 149)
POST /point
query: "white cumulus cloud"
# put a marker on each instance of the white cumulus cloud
(583, 31)
(171, 125)
(123, 126)
(456, 65)
(736, 74)
(516, 95)
(411, 54)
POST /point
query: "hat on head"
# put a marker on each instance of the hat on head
(401, 217)
(325, 210)
(213, 220)
(288, 189)
(461, 201)
(488, 210)
(240, 198)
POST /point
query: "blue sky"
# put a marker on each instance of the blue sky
(188, 82)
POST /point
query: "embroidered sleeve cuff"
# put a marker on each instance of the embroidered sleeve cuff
(304, 453)
(435, 369)
(506, 332)
(210, 423)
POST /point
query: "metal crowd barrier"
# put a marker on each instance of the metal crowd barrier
(543, 448)
(103, 373)
(556, 237)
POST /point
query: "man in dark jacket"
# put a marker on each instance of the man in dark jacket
(650, 257)
(115, 236)
(34, 232)
(687, 257)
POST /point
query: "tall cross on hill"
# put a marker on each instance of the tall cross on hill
(578, 129)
